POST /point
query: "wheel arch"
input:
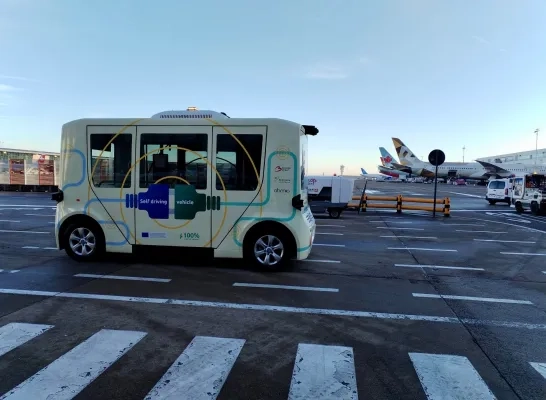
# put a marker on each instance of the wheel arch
(264, 226)
(79, 219)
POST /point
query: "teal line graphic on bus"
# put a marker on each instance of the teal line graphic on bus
(187, 202)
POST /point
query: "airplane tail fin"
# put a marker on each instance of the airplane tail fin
(405, 155)
(386, 158)
(363, 171)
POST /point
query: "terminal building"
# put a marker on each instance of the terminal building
(523, 157)
(28, 170)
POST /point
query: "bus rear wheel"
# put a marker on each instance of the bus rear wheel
(83, 242)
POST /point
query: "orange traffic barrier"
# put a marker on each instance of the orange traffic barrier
(401, 203)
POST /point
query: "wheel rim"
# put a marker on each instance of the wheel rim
(268, 250)
(82, 242)
(334, 213)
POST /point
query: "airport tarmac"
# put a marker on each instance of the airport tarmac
(388, 306)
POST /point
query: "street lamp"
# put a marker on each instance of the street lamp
(464, 148)
(536, 147)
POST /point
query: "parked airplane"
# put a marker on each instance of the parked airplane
(513, 169)
(389, 163)
(480, 170)
(379, 177)
(471, 170)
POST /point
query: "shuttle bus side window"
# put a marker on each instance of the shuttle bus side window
(233, 163)
(115, 161)
(166, 159)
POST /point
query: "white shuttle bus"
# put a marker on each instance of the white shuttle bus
(234, 187)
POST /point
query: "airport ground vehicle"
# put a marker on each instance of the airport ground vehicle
(499, 191)
(329, 193)
(232, 187)
(529, 193)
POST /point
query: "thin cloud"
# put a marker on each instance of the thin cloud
(17, 78)
(481, 40)
(7, 88)
(326, 72)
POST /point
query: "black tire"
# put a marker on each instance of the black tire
(270, 236)
(535, 208)
(94, 244)
(492, 202)
(334, 213)
(519, 208)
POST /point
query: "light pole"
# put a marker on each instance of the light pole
(536, 147)
(464, 148)
(341, 169)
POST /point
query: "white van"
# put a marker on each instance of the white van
(233, 187)
(499, 191)
(329, 193)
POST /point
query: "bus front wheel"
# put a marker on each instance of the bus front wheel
(83, 242)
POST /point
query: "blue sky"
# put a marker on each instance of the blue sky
(435, 73)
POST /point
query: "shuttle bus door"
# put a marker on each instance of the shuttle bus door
(240, 162)
(173, 194)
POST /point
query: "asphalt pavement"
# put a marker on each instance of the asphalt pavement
(388, 306)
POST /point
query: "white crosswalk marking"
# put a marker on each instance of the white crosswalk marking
(15, 334)
(67, 376)
(540, 367)
(445, 376)
(323, 372)
(200, 371)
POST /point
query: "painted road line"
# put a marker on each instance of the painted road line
(41, 215)
(469, 195)
(328, 245)
(323, 372)
(1, 270)
(8, 231)
(332, 226)
(410, 237)
(68, 375)
(461, 230)
(15, 334)
(437, 267)
(447, 224)
(470, 298)
(13, 271)
(407, 229)
(322, 261)
(27, 206)
(50, 248)
(540, 367)
(519, 220)
(271, 308)
(123, 278)
(393, 222)
(8, 220)
(445, 376)
(200, 371)
(419, 248)
(503, 241)
(523, 254)
(266, 286)
(30, 247)
(329, 233)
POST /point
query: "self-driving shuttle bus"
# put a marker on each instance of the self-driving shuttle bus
(233, 187)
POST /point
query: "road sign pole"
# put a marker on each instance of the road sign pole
(436, 158)
(435, 185)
